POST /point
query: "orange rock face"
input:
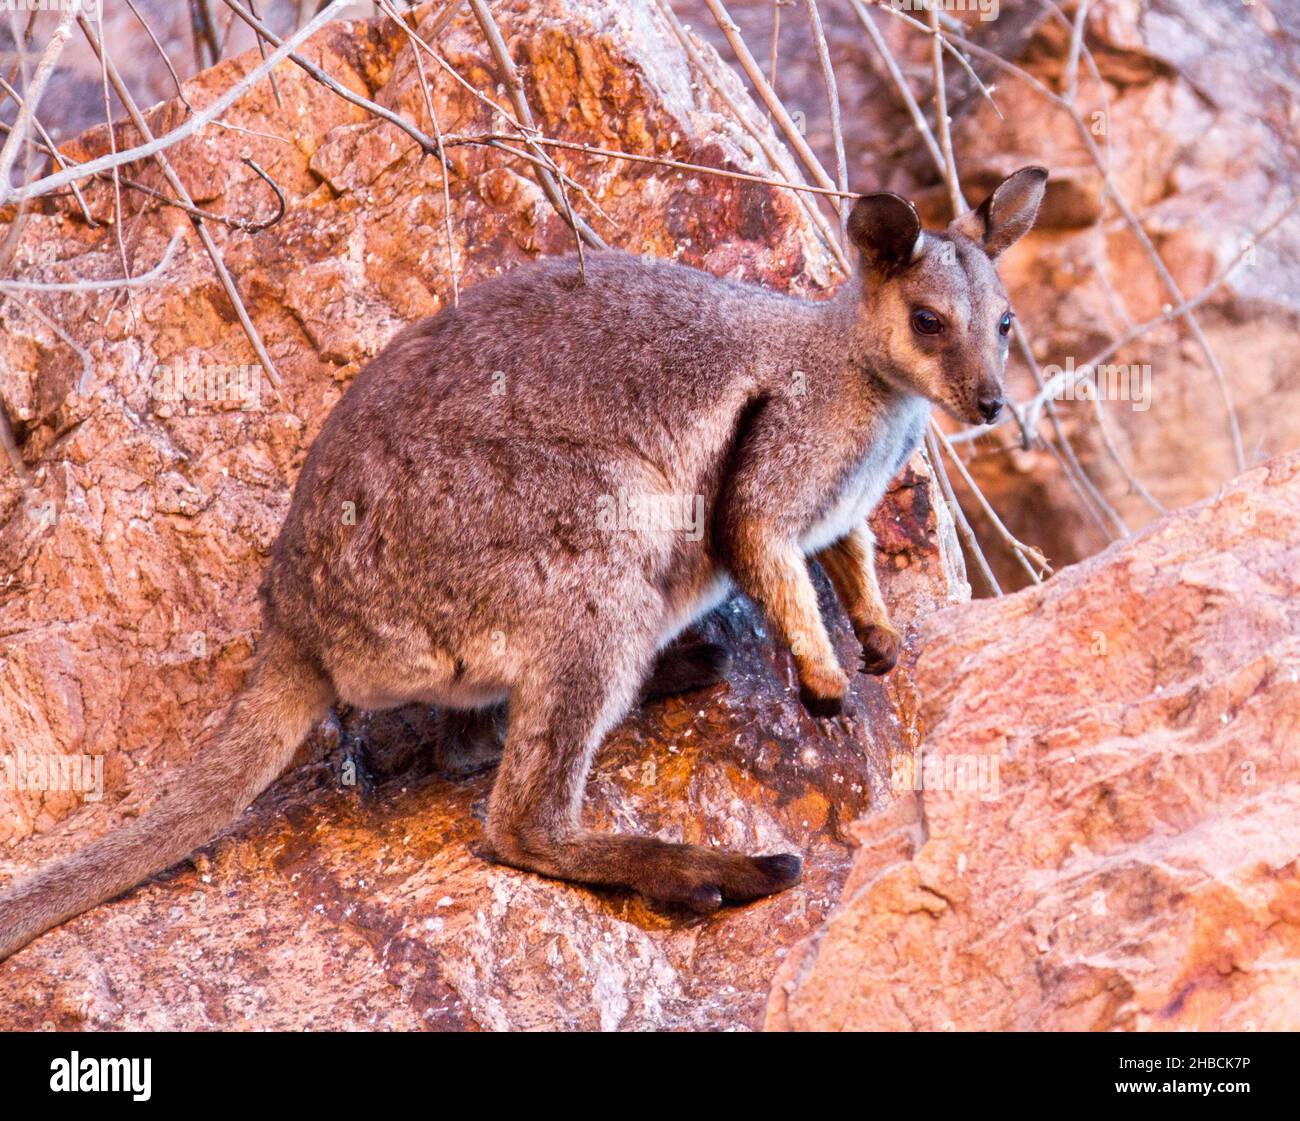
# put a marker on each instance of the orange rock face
(128, 611)
(1105, 833)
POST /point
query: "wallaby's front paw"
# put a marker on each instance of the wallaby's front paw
(822, 691)
(880, 647)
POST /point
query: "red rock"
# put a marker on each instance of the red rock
(1134, 860)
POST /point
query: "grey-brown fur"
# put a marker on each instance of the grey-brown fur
(445, 545)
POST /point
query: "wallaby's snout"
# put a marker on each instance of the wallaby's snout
(990, 406)
(935, 315)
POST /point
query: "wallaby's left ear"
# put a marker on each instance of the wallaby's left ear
(1007, 214)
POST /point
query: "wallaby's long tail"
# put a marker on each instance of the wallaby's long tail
(283, 698)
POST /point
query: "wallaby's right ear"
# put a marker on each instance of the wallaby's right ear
(1007, 214)
(886, 229)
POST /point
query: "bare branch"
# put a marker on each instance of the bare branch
(942, 123)
(142, 280)
(833, 104)
(182, 132)
(35, 89)
(205, 236)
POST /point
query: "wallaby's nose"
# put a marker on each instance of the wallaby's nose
(989, 408)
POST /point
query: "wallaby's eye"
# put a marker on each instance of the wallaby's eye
(926, 322)
(1004, 327)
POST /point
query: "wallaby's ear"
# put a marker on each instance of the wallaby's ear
(1007, 214)
(886, 229)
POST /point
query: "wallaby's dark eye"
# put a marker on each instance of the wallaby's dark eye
(1004, 328)
(926, 322)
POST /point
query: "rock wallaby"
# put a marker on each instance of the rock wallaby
(527, 498)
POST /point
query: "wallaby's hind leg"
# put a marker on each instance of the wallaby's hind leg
(534, 820)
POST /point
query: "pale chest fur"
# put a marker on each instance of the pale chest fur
(898, 436)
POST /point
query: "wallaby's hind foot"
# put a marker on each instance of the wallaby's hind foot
(695, 876)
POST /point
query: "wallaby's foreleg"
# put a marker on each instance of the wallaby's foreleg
(534, 818)
(772, 571)
(851, 565)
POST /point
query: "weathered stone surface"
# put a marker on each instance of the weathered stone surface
(1136, 862)
(128, 608)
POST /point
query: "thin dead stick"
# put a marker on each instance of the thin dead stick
(1090, 391)
(87, 367)
(51, 149)
(1076, 45)
(261, 49)
(140, 280)
(167, 62)
(1023, 553)
(208, 31)
(111, 132)
(442, 151)
(181, 132)
(776, 43)
(245, 225)
(515, 89)
(964, 531)
(455, 139)
(443, 18)
(205, 235)
(801, 190)
(34, 91)
(731, 30)
(942, 123)
(900, 83)
(1090, 496)
(833, 104)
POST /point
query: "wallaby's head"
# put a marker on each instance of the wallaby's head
(935, 315)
